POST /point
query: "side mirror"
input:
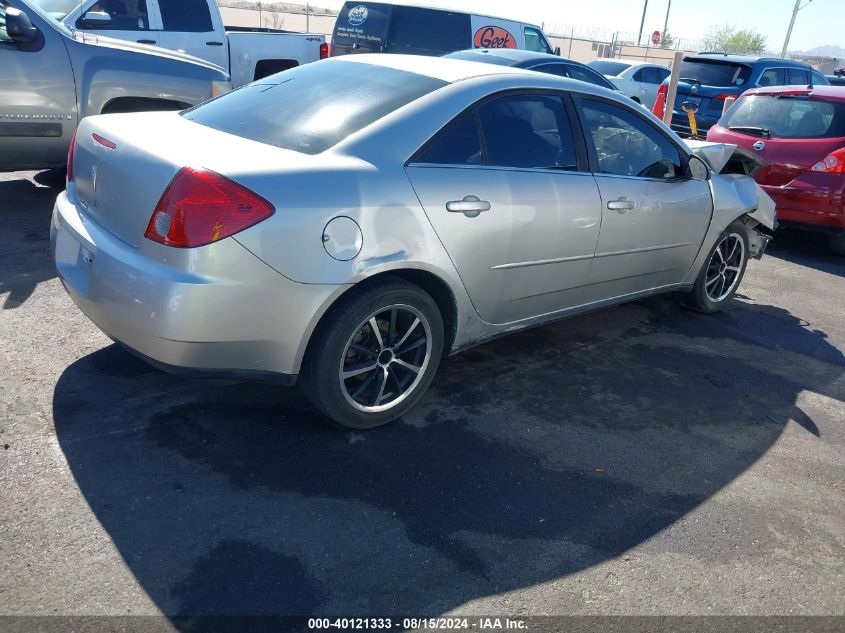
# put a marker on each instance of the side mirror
(96, 19)
(698, 169)
(19, 27)
(557, 51)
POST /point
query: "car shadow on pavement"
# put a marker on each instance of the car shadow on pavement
(806, 248)
(533, 457)
(25, 260)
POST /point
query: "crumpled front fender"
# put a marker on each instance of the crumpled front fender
(735, 195)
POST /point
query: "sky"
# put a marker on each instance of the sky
(820, 23)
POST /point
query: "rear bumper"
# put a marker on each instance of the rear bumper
(212, 311)
(807, 202)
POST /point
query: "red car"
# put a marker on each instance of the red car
(800, 133)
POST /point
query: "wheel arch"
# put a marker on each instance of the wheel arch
(141, 104)
(435, 285)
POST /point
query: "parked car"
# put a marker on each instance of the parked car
(540, 62)
(52, 79)
(345, 224)
(194, 27)
(377, 27)
(800, 132)
(707, 79)
(638, 80)
(836, 79)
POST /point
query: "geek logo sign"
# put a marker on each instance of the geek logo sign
(357, 15)
(493, 37)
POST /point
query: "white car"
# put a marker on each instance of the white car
(635, 79)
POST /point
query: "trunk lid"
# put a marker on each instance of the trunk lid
(119, 187)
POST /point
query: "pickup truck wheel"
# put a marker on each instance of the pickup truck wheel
(375, 355)
(722, 272)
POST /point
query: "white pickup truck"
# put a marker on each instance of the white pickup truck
(194, 27)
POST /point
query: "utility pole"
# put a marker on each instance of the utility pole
(666, 22)
(642, 23)
(307, 18)
(795, 11)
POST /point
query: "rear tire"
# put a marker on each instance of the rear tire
(375, 355)
(722, 271)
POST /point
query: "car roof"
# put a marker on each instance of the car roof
(747, 59)
(516, 55)
(443, 68)
(836, 93)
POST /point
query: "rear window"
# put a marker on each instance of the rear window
(313, 107)
(788, 117)
(364, 25)
(715, 73)
(611, 69)
(428, 31)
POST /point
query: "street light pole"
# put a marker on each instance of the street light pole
(642, 23)
(666, 23)
(795, 11)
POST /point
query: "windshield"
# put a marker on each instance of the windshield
(34, 6)
(56, 8)
(788, 117)
(313, 107)
(611, 69)
(715, 73)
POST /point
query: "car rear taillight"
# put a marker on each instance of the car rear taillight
(723, 97)
(71, 152)
(200, 207)
(833, 163)
(324, 50)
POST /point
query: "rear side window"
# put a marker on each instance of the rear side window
(715, 73)
(649, 76)
(457, 144)
(575, 72)
(772, 77)
(189, 16)
(527, 131)
(796, 76)
(427, 31)
(788, 117)
(611, 69)
(627, 145)
(313, 107)
(361, 27)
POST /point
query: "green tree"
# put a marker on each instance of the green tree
(667, 40)
(726, 38)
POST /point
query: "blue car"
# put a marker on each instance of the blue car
(707, 79)
(541, 62)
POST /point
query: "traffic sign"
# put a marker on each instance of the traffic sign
(655, 38)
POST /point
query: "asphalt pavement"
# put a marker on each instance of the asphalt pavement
(644, 460)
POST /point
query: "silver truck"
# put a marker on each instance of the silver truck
(194, 27)
(52, 77)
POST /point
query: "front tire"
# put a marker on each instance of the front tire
(375, 354)
(722, 272)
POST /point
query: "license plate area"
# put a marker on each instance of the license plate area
(682, 99)
(85, 260)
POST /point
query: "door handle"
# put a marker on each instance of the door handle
(214, 43)
(622, 205)
(470, 206)
(146, 41)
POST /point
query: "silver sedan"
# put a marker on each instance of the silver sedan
(348, 223)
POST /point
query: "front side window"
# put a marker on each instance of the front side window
(313, 107)
(787, 117)
(126, 15)
(185, 16)
(628, 145)
(534, 41)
